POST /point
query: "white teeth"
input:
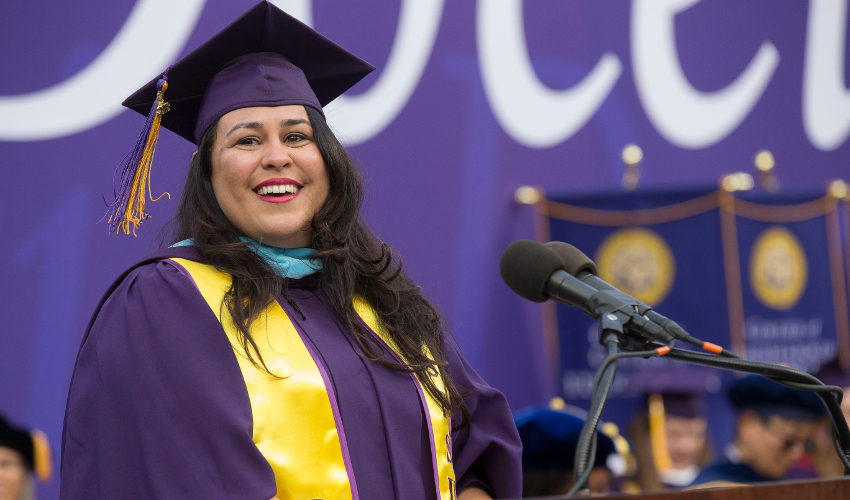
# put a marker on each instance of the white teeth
(278, 189)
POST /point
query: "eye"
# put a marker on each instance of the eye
(295, 138)
(248, 141)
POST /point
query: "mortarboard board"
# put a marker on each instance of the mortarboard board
(32, 446)
(768, 398)
(549, 439)
(264, 58)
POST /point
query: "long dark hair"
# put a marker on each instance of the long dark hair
(356, 262)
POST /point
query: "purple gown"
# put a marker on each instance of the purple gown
(158, 407)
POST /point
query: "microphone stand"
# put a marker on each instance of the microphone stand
(613, 337)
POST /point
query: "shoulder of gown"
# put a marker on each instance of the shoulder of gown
(726, 473)
(488, 450)
(157, 406)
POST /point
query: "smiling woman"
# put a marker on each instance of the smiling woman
(276, 349)
(268, 174)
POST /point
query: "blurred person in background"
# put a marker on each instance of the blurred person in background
(774, 424)
(23, 454)
(670, 437)
(549, 439)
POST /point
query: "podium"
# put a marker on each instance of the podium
(813, 489)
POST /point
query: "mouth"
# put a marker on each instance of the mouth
(278, 188)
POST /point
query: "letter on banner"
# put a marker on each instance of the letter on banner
(826, 102)
(84, 100)
(360, 118)
(685, 116)
(530, 112)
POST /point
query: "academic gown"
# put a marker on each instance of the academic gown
(158, 407)
(725, 471)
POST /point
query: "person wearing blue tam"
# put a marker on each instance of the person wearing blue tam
(549, 439)
(774, 424)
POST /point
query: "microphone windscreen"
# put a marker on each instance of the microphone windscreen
(526, 265)
(575, 261)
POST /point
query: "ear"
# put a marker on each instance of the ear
(748, 421)
(193, 155)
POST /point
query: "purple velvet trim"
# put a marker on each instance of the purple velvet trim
(346, 456)
(424, 402)
(182, 270)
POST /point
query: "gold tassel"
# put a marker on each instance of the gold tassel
(42, 456)
(658, 433)
(129, 208)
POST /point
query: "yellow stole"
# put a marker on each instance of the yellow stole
(305, 449)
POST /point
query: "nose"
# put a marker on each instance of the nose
(276, 155)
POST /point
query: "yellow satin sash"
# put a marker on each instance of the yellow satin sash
(303, 446)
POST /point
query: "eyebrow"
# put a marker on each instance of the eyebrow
(294, 121)
(251, 125)
(259, 126)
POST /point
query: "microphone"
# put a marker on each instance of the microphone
(537, 272)
(582, 267)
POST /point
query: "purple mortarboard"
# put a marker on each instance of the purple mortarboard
(264, 58)
(681, 389)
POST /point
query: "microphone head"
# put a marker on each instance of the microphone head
(575, 261)
(526, 266)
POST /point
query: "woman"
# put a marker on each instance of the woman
(277, 349)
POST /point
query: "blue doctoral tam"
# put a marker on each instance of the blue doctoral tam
(767, 398)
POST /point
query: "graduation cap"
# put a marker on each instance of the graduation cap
(32, 446)
(549, 440)
(264, 58)
(767, 398)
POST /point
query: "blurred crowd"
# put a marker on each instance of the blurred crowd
(780, 433)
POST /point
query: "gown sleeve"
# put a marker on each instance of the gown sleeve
(488, 451)
(157, 406)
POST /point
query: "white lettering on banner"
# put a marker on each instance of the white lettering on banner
(359, 118)
(542, 118)
(826, 102)
(93, 96)
(685, 116)
(530, 112)
(795, 341)
(782, 329)
(808, 357)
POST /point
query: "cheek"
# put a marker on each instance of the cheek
(230, 174)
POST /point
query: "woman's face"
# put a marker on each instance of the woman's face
(685, 440)
(268, 174)
(13, 474)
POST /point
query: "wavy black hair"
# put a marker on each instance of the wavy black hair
(356, 262)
